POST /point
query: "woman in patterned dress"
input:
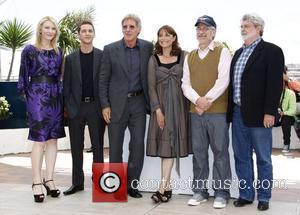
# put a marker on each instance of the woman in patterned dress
(40, 72)
(167, 133)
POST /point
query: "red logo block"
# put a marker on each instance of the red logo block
(109, 182)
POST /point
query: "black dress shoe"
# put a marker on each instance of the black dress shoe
(89, 150)
(73, 189)
(134, 193)
(241, 202)
(263, 206)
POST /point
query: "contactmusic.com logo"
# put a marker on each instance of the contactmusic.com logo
(110, 182)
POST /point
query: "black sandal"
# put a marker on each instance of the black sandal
(158, 197)
(38, 197)
(168, 194)
(53, 193)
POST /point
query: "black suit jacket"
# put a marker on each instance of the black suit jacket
(261, 84)
(73, 81)
(113, 81)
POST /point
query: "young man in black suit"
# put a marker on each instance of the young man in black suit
(82, 102)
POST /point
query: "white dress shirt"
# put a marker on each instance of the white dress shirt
(222, 81)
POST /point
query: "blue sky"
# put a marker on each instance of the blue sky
(282, 18)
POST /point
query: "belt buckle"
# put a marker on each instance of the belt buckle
(133, 94)
(129, 95)
(87, 99)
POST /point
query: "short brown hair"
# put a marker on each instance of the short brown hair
(86, 22)
(176, 50)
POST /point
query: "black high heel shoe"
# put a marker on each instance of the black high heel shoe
(168, 194)
(38, 197)
(158, 197)
(53, 193)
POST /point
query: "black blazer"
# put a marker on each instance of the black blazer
(261, 84)
(73, 81)
(113, 81)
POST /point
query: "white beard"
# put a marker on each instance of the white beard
(247, 36)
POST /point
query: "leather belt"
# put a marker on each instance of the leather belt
(43, 79)
(133, 94)
(87, 99)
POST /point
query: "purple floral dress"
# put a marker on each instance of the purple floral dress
(43, 100)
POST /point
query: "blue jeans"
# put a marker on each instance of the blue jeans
(244, 141)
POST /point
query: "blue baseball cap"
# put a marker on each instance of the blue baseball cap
(206, 20)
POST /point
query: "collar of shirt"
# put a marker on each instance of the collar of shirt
(91, 52)
(252, 44)
(202, 53)
(136, 45)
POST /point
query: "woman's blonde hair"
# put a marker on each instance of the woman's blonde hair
(38, 33)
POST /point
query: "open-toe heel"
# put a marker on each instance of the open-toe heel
(158, 197)
(168, 194)
(54, 193)
(38, 197)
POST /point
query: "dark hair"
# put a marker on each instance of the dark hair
(85, 22)
(176, 50)
(285, 82)
(285, 69)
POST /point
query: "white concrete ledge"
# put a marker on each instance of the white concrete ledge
(15, 141)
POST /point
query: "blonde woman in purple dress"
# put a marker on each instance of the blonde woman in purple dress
(40, 72)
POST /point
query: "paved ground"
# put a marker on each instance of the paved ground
(16, 196)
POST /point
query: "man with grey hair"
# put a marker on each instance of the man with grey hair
(124, 96)
(204, 82)
(254, 93)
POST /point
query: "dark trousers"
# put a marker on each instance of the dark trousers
(134, 117)
(87, 114)
(286, 124)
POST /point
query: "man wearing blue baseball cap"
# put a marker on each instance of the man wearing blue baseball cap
(204, 83)
(206, 20)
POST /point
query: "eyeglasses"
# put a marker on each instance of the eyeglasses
(128, 27)
(203, 28)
